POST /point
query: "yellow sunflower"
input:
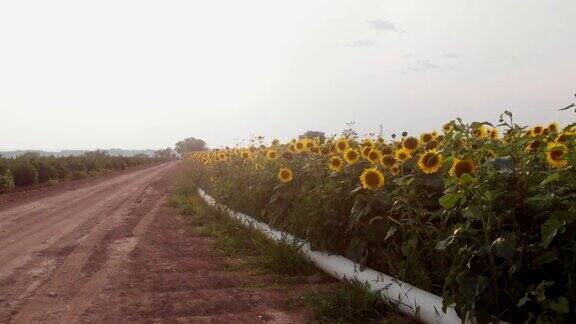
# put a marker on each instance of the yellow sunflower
(562, 137)
(246, 154)
(367, 143)
(553, 127)
(374, 156)
(427, 137)
(388, 160)
(272, 155)
(402, 155)
(460, 167)
(335, 163)
(386, 149)
(493, 133)
(536, 131)
(351, 156)
(480, 131)
(430, 161)
(285, 175)
(372, 179)
(556, 154)
(300, 146)
(410, 143)
(365, 151)
(342, 145)
(395, 170)
(533, 145)
(431, 145)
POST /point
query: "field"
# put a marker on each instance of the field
(481, 214)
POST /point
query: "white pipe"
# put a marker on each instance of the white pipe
(408, 299)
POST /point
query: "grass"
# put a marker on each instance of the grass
(350, 302)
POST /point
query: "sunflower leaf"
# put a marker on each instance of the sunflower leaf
(449, 200)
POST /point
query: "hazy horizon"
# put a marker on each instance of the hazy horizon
(146, 74)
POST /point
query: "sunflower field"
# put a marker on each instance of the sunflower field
(481, 214)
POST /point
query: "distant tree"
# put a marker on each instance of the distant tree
(190, 145)
(313, 134)
(165, 154)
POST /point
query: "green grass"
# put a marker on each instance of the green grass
(350, 302)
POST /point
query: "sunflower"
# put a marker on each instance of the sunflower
(536, 131)
(427, 137)
(245, 154)
(372, 179)
(459, 167)
(367, 143)
(388, 160)
(533, 145)
(553, 127)
(292, 148)
(351, 156)
(275, 142)
(395, 170)
(430, 161)
(447, 128)
(300, 146)
(272, 155)
(365, 151)
(342, 145)
(480, 131)
(493, 133)
(335, 163)
(285, 175)
(410, 143)
(431, 145)
(562, 137)
(402, 155)
(374, 156)
(309, 145)
(555, 155)
(386, 149)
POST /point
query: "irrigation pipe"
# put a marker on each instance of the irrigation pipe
(408, 299)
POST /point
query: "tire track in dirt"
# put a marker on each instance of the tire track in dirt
(44, 266)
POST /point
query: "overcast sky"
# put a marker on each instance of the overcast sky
(145, 74)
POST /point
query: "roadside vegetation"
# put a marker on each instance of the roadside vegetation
(481, 214)
(248, 249)
(31, 169)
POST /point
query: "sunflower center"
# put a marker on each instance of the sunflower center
(373, 156)
(411, 143)
(463, 167)
(556, 154)
(537, 129)
(372, 179)
(336, 163)
(352, 155)
(341, 146)
(285, 174)
(430, 160)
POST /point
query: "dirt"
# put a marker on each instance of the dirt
(110, 250)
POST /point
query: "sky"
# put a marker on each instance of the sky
(146, 74)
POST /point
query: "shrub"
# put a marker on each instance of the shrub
(77, 175)
(6, 182)
(25, 174)
(46, 171)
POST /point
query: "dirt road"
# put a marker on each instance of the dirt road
(110, 250)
